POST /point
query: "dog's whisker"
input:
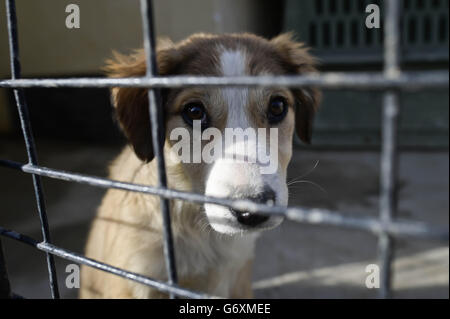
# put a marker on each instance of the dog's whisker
(308, 182)
(305, 174)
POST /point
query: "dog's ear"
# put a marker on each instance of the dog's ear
(131, 104)
(298, 61)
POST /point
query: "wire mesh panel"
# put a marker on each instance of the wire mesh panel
(392, 80)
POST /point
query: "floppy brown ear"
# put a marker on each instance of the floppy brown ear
(299, 61)
(131, 104)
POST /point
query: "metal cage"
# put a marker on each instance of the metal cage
(386, 227)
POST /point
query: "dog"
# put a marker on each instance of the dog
(214, 245)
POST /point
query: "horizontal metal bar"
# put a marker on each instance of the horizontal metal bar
(313, 216)
(342, 80)
(80, 259)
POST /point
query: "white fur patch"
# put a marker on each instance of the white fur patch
(233, 63)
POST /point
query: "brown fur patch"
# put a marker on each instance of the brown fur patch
(199, 55)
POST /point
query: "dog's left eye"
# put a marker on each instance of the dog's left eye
(195, 111)
(277, 109)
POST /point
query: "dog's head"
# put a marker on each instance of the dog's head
(231, 142)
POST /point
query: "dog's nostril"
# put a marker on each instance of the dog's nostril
(268, 196)
(249, 219)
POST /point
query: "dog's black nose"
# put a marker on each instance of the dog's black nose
(268, 196)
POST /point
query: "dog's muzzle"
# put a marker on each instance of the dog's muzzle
(268, 196)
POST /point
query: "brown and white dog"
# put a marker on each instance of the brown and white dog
(214, 245)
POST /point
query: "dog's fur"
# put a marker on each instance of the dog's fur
(210, 257)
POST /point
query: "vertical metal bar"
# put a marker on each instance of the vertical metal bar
(391, 109)
(5, 288)
(157, 128)
(28, 136)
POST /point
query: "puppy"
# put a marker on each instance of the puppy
(214, 245)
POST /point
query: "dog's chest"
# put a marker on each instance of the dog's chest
(216, 260)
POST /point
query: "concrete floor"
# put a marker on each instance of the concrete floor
(292, 261)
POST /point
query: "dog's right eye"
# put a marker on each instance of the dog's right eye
(195, 111)
(277, 109)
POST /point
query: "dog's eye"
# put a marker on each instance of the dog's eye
(277, 109)
(195, 112)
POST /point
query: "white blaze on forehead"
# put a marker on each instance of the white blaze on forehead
(233, 63)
